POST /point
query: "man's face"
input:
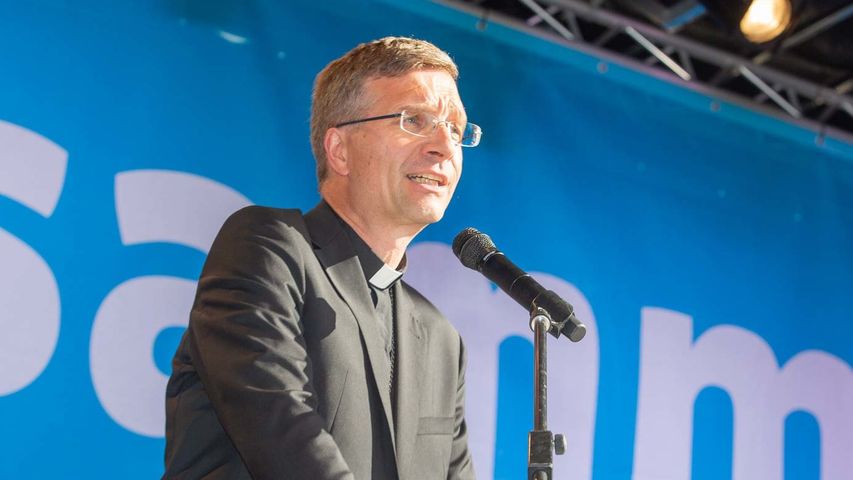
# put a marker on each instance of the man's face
(394, 176)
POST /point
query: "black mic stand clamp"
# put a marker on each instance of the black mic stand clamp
(541, 443)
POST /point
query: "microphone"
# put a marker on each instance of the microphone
(477, 251)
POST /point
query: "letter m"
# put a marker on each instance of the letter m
(674, 369)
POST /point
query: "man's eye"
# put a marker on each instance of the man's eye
(416, 121)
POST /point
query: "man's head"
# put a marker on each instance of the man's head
(338, 90)
(375, 167)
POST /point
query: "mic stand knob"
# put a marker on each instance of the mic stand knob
(560, 444)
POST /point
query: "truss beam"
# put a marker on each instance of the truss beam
(801, 100)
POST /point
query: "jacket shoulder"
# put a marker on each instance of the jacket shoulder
(260, 215)
(261, 222)
(261, 243)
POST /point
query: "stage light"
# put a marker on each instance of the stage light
(764, 20)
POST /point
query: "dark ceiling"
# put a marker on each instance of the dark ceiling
(805, 74)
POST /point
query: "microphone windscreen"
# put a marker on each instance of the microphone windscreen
(470, 246)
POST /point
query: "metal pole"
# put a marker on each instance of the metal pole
(540, 372)
(541, 442)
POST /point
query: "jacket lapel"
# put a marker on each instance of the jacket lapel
(336, 254)
(410, 363)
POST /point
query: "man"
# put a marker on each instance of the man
(306, 356)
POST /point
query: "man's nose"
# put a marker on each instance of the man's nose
(441, 142)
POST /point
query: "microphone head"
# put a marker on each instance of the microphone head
(470, 246)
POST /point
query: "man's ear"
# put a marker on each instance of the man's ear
(336, 151)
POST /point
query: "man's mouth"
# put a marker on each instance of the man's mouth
(426, 179)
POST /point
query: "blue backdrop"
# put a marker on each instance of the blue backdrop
(707, 247)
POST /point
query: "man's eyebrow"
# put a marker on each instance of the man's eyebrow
(419, 106)
(455, 111)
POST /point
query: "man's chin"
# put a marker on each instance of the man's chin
(431, 214)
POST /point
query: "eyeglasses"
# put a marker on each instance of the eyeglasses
(423, 124)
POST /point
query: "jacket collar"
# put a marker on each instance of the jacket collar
(377, 273)
(336, 253)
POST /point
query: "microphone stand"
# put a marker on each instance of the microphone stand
(541, 442)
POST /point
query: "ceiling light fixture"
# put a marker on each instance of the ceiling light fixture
(765, 20)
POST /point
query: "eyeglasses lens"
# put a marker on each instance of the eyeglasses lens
(423, 124)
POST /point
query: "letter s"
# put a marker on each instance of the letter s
(32, 172)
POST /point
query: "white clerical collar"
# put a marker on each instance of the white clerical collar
(384, 277)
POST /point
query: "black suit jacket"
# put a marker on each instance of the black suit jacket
(276, 375)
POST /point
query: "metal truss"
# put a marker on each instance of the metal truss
(662, 52)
